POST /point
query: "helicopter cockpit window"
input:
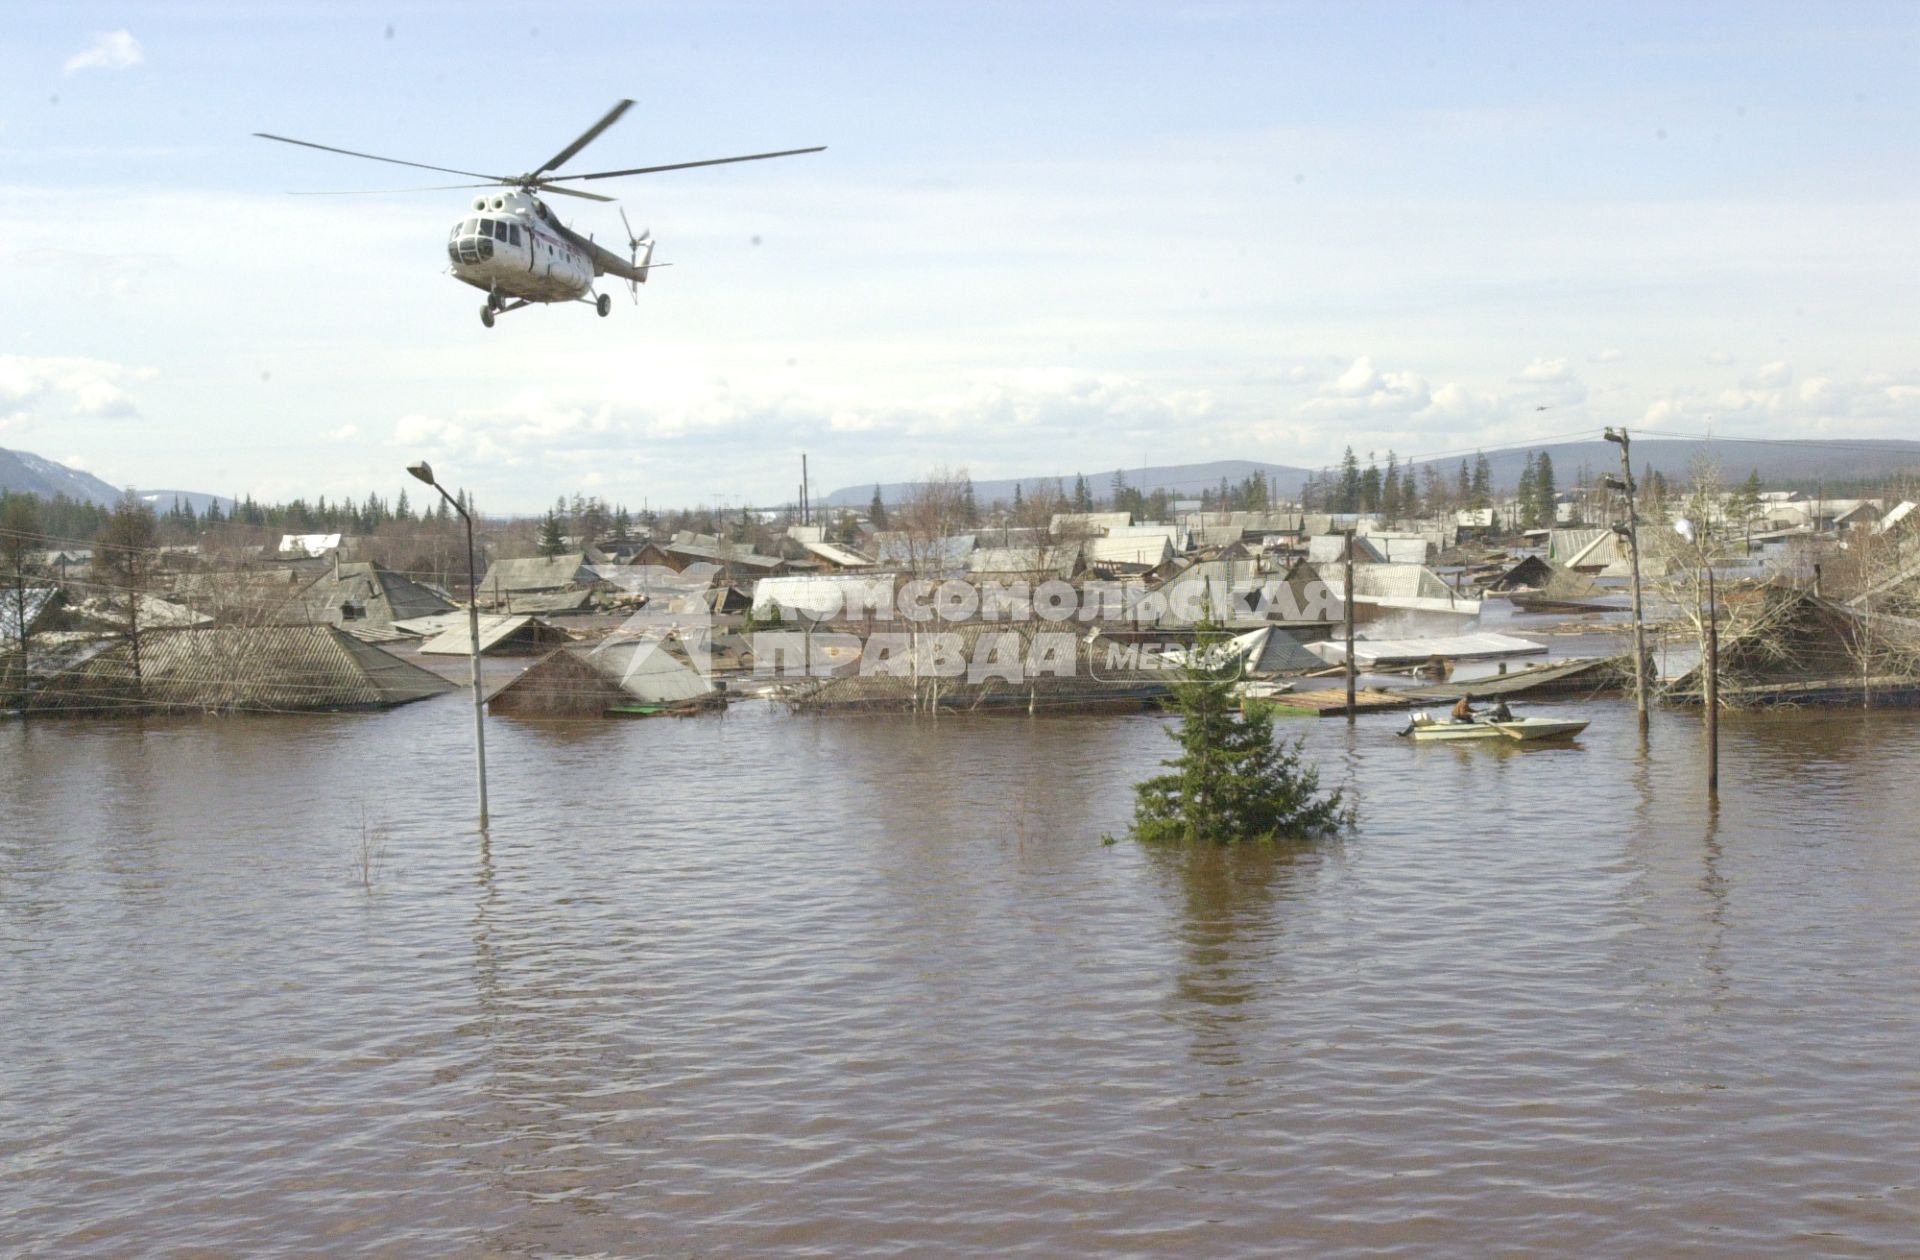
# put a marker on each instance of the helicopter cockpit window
(513, 233)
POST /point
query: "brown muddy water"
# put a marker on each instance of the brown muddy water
(760, 985)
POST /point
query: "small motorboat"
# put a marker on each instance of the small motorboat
(1424, 726)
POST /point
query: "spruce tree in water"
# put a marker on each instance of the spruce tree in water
(1231, 783)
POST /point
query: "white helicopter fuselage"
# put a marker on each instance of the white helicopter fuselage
(509, 249)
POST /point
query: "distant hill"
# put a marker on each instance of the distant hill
(1780, 464)
(25, 472)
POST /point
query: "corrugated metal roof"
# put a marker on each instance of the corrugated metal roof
(373, 593)
(823, 594)
(238, 669)
(33, 601)
(1457, 647)
(1058, 559)
(537, 573)
(833, 554)
(1142, 552)
(497, 631)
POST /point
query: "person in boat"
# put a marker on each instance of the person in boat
(1463, 709)
(1500, 712)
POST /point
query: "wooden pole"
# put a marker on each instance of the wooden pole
(1352, 671)
(1713, 690)
(1633, 548)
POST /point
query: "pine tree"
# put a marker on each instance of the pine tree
(877, 510)
(969, 506)
(622, 525)
(1482, 482)
(552, 543)
(1370, 486)
(1231, 783)
(1546, 495)
(1082, 497)
(1529, 503)
(1349, 498)
(1019, 502)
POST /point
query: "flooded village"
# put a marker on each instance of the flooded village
(832, 924)
(1058, 603)
(1046, 632)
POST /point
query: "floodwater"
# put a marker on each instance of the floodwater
(761, 985)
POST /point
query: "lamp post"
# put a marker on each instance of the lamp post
(1619, 438)
(424, 472)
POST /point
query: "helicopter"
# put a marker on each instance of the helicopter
(517, 251)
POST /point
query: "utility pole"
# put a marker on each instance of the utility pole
(806, 504)
(1619, 437)
(1713, 690)
(1347, 592)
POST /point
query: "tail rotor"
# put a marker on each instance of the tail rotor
(640, 255)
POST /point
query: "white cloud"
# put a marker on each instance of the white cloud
(110, 50)
(34, 388)
(1363, 390)
(1612, 354)
(1773, 375)
(345, 433)
(1721, 357)
(1545, 372)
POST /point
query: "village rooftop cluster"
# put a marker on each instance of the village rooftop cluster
(1053, 602)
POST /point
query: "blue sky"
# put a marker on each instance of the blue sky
(1044, 238)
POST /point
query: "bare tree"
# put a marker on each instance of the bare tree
(19, 536)
(124, 555)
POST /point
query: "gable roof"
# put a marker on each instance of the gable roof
(498, 633)
(537, 573)
(238, 669)
(374, 593)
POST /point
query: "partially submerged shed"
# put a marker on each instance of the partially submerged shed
(576, 682)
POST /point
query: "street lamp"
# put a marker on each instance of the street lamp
(424, 472)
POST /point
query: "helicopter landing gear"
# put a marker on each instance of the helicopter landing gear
(497, 307)
(603, 304)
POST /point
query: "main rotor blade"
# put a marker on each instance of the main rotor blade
(375, 157)
(375, 192)
(587, 137)
(544, 186)
(682, 166)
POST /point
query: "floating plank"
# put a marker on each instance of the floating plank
(1332, 703)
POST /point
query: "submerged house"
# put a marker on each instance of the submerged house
(576, 682)
(545, 584)
(233, 669)
(367, 596)
(515, 634)
(1784, 646)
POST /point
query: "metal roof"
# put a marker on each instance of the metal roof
(496, 631)
(33, 600)
(374, 593)
(1144, 552)
(1456, 647)
(537, 573)
(238, 669)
